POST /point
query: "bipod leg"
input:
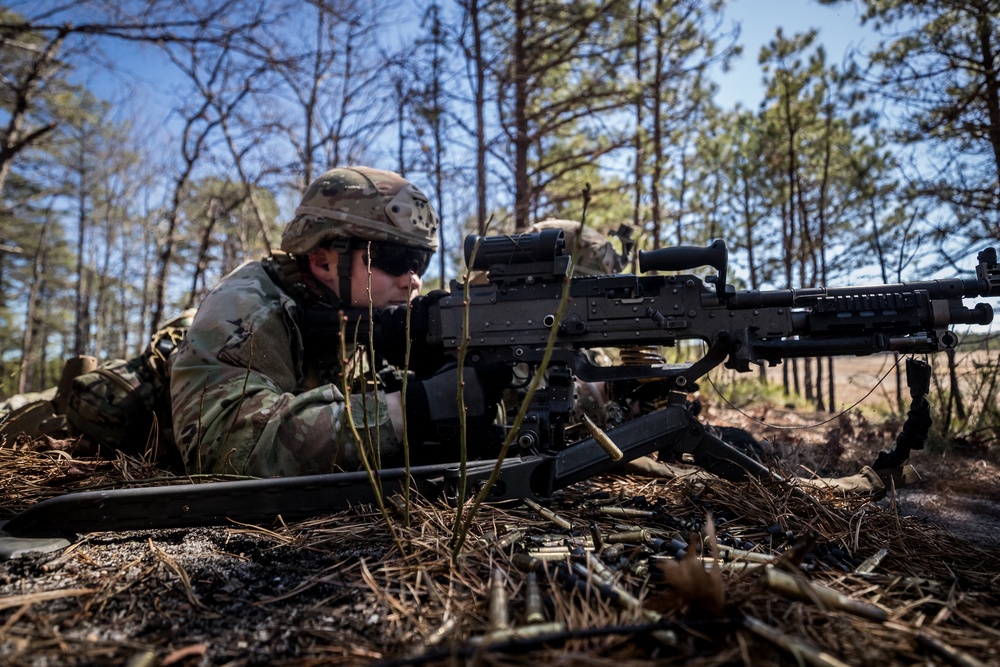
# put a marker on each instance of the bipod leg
(708, 451)
(720, 458)
(918, 422)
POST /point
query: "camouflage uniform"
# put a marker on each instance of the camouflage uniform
(244, 398)
(597, 255)
(251, 395)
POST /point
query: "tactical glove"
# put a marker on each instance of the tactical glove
(389, 335)
(432, 408)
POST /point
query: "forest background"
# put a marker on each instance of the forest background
(115, 214)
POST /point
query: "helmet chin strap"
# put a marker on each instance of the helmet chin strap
(345, 261)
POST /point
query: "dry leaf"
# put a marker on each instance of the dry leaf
(695, 587)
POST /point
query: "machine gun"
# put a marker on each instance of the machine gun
(510, 318)
(510, 321)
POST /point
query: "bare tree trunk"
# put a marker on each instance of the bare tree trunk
(522, 137)
(681, 199)
(311, 101)
(81, 326)
(748, 225)
(346, 98)
(31, 316)
(986, 34)
(479, 92)
(217, 210)
(104, 304)
(824, 275)
(656, 177)
(831, 385)
(790, 372)
(249, 185)
(438, 113)
(199, 125)
(640, 158)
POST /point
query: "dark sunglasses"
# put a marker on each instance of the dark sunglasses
(396, 259)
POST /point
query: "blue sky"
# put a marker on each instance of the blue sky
(839, 28)
(839, 32)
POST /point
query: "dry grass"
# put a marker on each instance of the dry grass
(336, 589)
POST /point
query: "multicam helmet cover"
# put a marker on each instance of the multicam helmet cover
(361, 203)
(597, 254)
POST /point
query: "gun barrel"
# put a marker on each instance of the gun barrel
(955, 288)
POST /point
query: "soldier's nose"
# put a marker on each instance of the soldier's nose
(411, 280)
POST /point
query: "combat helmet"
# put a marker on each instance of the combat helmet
(364, 204)
(597, 254)
(352, 208)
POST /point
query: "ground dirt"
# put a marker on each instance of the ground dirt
(352, 589)
(959, 490)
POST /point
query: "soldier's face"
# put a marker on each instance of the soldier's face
(386, 289)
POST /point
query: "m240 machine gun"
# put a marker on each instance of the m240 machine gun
(510, 320)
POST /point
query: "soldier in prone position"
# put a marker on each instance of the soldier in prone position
(255, 391)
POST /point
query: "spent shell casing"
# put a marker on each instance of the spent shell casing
(872, 561)
(628, 537)
(613, 551)
(738, 566)
(676, 546)
(573, 550)
(625, 512)
(602, 439)
(597, 537)
(509, 539)
(601, 571)
(398, 505)
(523, 632)
(549, 514)
(525, 562)
(143, 659)
(499, 616)
(798, 588)
(729, 554)
(551, 555)
(613, 590)
(533, 611)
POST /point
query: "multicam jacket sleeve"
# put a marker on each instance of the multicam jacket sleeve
(238, 401)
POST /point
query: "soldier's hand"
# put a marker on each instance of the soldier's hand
(432, 407)
(390, 335)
